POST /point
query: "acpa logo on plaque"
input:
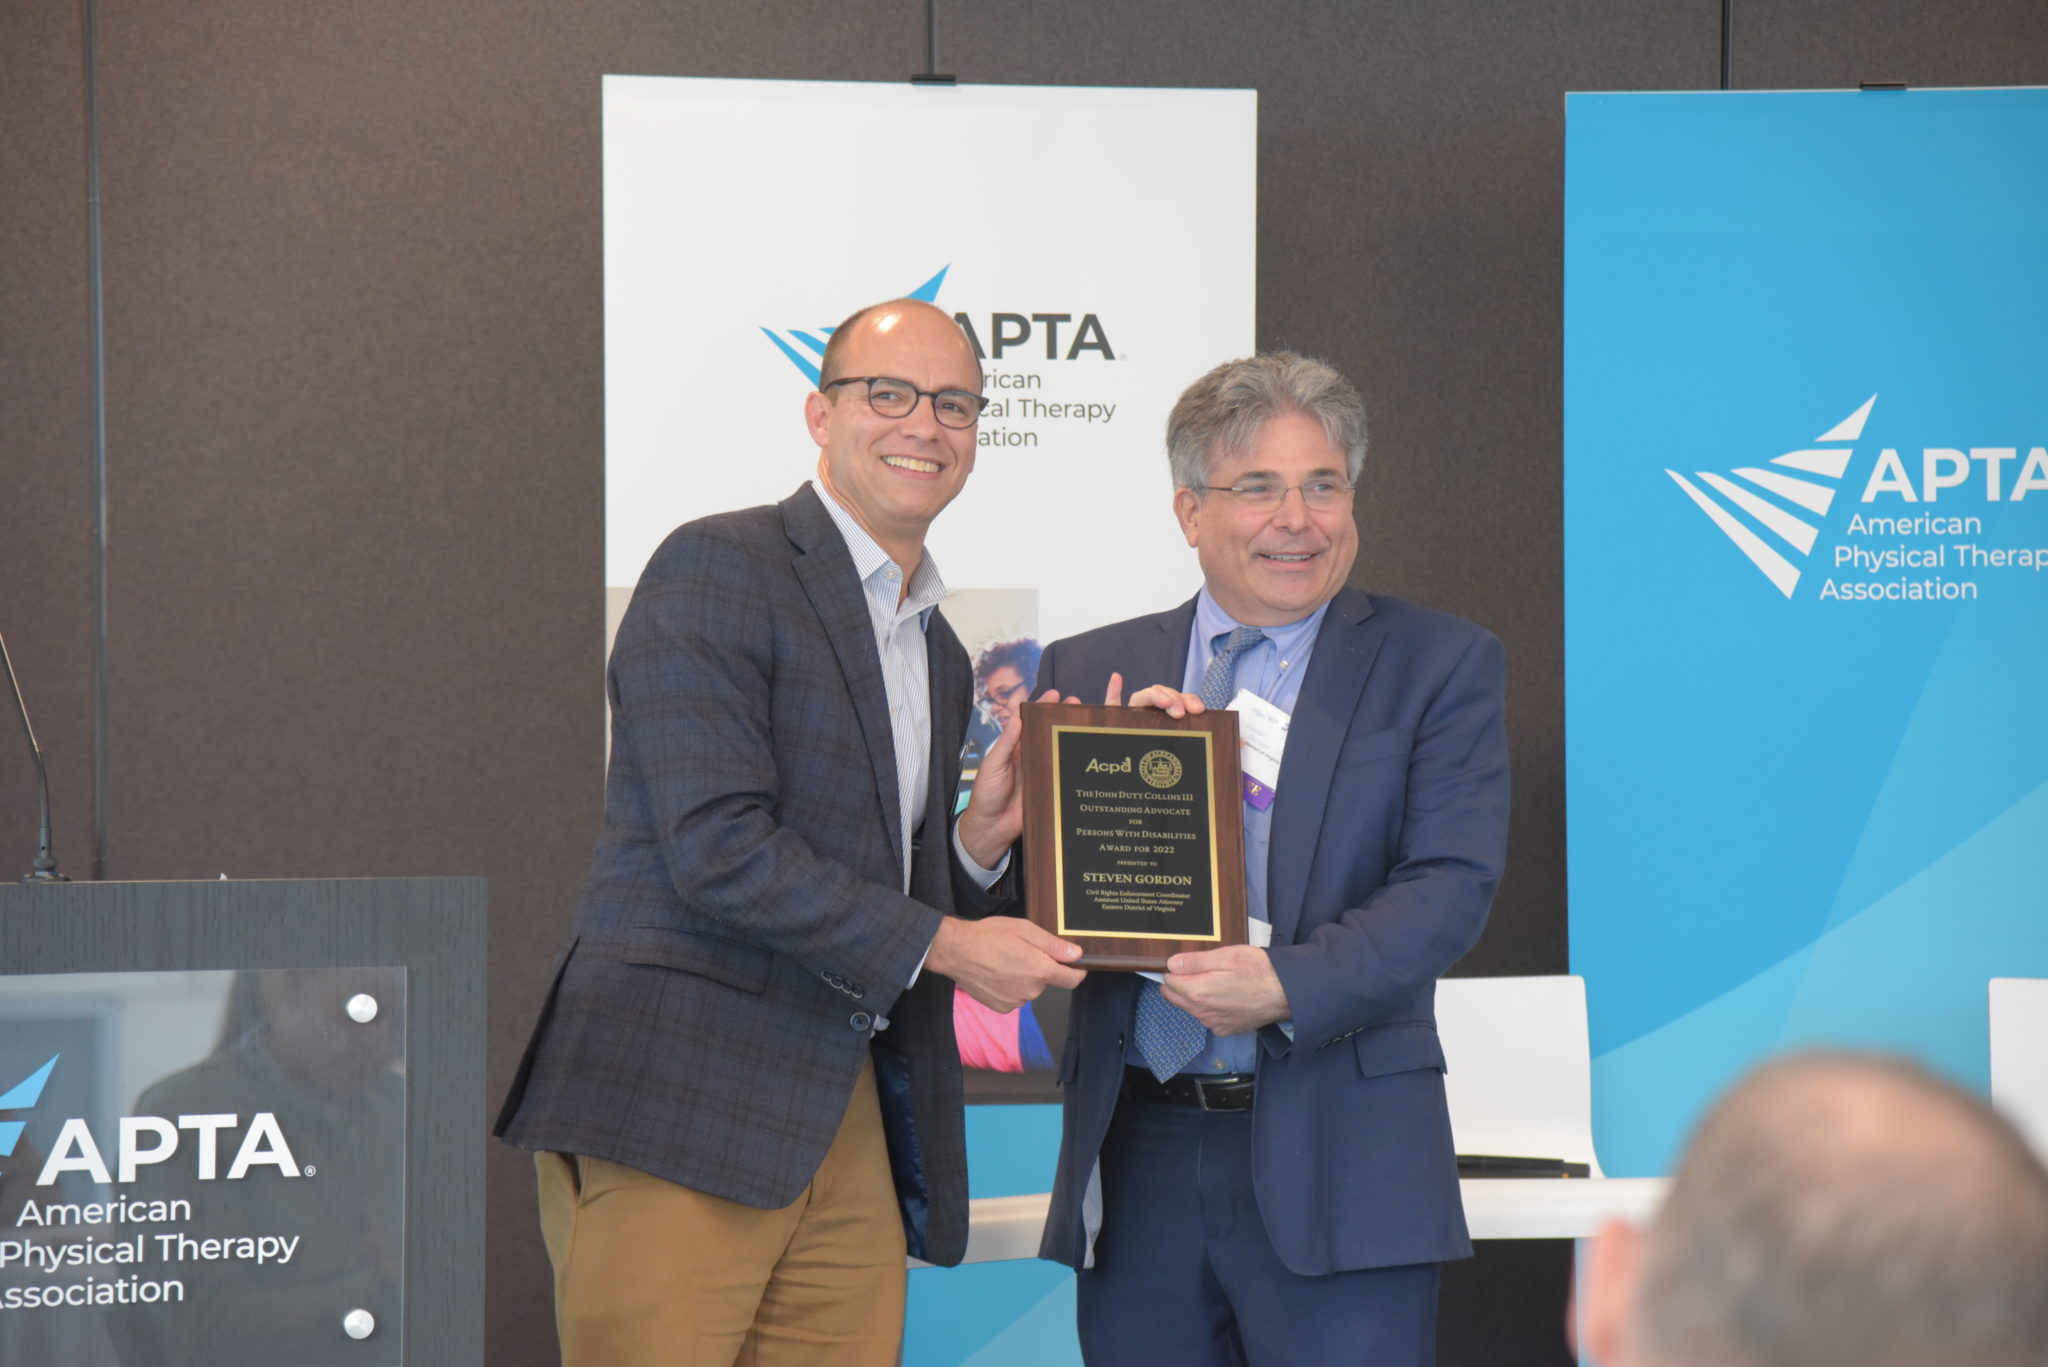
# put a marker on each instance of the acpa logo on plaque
(1897, 546)
(147, 1139)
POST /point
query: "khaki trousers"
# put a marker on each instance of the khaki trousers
(650, 1274)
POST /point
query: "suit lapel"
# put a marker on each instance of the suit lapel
(1346, 646)
(825, 569)
(1159, 656)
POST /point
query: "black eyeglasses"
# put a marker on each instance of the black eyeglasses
(1264, 495)
(893, 398)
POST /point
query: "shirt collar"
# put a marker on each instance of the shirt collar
(869, 559)
(1212, 621)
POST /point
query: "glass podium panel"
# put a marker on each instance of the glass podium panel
(203, 1169)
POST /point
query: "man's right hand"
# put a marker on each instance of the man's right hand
(1002, 961)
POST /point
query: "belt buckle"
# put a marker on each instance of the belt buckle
(1202, 1094)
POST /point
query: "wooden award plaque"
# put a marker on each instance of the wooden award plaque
(1133, 831)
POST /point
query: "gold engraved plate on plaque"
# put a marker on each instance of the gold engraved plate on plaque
(1133, 831)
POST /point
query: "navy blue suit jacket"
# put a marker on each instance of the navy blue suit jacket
(1389, 832)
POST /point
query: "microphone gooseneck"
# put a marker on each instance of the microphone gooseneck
(45, 870)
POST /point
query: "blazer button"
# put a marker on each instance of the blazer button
(860, 1020)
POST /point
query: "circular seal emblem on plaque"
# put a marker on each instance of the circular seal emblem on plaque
(1160, 768)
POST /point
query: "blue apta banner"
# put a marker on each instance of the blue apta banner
(1806, 581)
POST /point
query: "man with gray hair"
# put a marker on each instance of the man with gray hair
(1256, 1163)
(1834, 1210)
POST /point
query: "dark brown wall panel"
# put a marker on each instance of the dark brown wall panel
(46, 499)
(1838, 44)
(354, 370)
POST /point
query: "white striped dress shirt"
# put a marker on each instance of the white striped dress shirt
(899, 620)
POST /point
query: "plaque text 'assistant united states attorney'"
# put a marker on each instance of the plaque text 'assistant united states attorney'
(1133, 831)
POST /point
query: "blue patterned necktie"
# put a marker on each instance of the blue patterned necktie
(1167, 1036)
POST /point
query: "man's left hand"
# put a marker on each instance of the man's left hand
(1231, 991)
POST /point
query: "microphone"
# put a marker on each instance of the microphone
(45, 870)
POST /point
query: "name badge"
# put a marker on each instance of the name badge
(1262, 728)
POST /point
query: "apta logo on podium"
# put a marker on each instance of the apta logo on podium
(144, 1140)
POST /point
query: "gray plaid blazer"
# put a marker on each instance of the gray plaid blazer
(741, 929)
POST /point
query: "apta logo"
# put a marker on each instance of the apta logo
(145, 1139)
(802, 346)
(22, 1096)
(805, 347)
(1791, 533)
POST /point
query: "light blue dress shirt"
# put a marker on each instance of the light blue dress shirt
(1273, 670)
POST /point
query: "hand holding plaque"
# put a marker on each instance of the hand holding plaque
(1133, 831)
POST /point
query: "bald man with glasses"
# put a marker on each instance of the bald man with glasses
(743, 1093)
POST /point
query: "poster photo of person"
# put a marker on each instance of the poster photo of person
(1006, 1057)
(1004, 672)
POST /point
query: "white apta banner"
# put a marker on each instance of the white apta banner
(1097, 243)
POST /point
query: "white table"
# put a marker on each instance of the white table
(1005, 1227)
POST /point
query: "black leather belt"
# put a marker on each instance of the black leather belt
(1226, 1092)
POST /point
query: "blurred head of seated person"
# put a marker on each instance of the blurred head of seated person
(1834, 1211)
